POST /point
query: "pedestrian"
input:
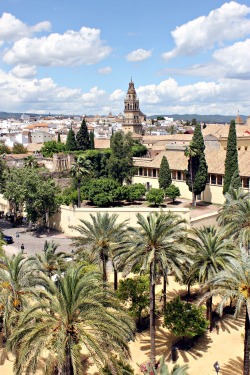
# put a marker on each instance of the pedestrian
(22, 248)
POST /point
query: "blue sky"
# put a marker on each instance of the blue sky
(77, 57)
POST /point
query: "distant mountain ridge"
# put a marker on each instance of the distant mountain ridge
(186, 117)
(221, 119)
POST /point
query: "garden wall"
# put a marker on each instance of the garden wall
(68, 216)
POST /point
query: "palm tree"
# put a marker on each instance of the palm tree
(104, 237)
(79, 169)
(212, 252)
(30, 162)
(235, 216)
(158, 241)
(74, 313)
(16, 283)
(51, 262)
(163, 369)
(234, 284)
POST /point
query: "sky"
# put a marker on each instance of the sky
(77, 57)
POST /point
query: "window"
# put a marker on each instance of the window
(149, 172)
(246, 148)
(179, 175)
(154, 172)
(245, 182)
(219, 179)
(208, 179)
(174, 175)
(140, 171)
(213, 179)
(145, 172)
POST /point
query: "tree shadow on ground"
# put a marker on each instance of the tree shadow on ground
(165, 339)
(233, 367)
(228, 323)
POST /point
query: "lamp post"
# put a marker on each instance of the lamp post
(217, 367)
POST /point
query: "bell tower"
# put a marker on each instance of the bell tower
(132, 113)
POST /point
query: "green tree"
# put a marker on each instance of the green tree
(59, 137)
(101, 192)
(139, 150)
(80, 169)
(13, 191)
(19, 148)
(71, 144)
(4, 149)
(135, 292)
(233, 283)
(52, 147)
(119, 367)
(98, 160)
(132, 192)
(212, 252)
(120, 163)
(173, 192)
(158, 242)
(92, 140)
(155, 196)
(104, 237)
(231, 161)
(164, 178)
(82, 137)
(196, 175)
(75, 311)
(184, 319)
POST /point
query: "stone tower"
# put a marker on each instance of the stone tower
(132, 114)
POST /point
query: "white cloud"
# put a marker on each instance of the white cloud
(229, 22)
(225, 96)
(21, 71)
(138, 55)
(69, 49)
(235, 59)
(12, 29)
(105, 70)
(117, 95)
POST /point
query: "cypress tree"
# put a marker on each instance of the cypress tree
(59, 137)
(82, 137)
(71, 141)
(231, 162)
(196, 175)
(164, 178)
(92, 140)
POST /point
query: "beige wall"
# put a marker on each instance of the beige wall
(212, 193)
(69, 216)
(4, 205)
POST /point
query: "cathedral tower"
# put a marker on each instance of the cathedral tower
(132, 114)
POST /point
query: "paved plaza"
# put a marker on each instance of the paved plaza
(33, 241)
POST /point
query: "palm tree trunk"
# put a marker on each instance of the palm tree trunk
(164, 293)
(209, 316)
(68, 368)
(152, 313)
(79, 193)
(246, 345)
(115, 278)
(104, 269)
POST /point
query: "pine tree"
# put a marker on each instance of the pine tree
(231, 162)
(196, 176)
(92, 140)
(164, 179)
(71, 141)
(82, 137)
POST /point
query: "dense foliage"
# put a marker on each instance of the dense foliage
(231, 162)
(52, 147)
(184, 319)
(164, 178)
(82, 137)
(172, 192)
(155, 196)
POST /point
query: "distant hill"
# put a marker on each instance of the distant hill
(203, 118)
(200, 118)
